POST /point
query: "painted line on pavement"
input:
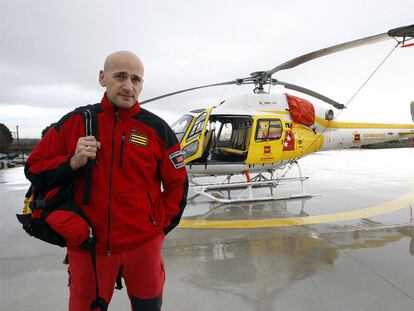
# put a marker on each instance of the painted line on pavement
(403, 202)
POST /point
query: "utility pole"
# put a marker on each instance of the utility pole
(18, 141)
(17, 137)
(412, 110)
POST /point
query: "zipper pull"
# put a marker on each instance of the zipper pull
(116, 113)
(154, 222)
(123, 139)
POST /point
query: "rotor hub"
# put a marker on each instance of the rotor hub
(260, 79)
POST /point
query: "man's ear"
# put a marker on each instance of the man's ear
(102, 81)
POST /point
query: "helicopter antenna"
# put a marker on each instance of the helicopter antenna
(349, 101)
(372, 74)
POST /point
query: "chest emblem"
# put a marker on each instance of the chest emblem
(137, 138)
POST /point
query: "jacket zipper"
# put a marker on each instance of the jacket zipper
(108, 249)
(122, 149)
(154, 222)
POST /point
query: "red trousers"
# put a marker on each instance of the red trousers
(142, 269)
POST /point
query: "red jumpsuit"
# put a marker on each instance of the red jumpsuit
(128, 209)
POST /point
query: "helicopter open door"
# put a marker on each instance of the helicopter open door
(191, 131)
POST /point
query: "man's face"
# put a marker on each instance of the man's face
(123, 79)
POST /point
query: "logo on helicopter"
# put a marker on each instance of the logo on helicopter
(357, 137)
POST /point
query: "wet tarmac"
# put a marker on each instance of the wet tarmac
(348, 247)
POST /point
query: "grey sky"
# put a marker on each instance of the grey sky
(51, 52)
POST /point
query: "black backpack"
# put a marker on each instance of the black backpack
(36, 208)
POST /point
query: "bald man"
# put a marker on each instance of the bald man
(137, 194)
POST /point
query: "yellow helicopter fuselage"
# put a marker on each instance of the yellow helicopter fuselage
(261, 132)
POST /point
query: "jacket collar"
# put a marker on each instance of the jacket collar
(110, 107)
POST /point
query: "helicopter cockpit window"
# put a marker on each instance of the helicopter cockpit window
(181, 125)
(268, 130)
(197, 127)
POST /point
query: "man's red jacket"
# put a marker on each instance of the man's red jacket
(139, 154)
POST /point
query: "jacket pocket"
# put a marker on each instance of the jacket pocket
(152, 215)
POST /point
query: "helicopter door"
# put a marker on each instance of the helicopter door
(266, 144)
(193, 140)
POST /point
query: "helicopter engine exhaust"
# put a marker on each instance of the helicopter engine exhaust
(329, 115)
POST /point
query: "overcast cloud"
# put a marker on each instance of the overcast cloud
(51, 52)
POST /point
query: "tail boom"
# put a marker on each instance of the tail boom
(342, 135)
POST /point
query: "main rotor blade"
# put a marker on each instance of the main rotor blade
(311, 93)
(406, 31)
(238, 81)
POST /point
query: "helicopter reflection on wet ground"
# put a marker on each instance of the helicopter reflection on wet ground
(350, 247)
(296, 270)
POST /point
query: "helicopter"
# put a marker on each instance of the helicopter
(261, 132)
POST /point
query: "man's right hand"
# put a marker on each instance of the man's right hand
(86, 149)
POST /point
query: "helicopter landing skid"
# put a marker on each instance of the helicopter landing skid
(247, 195)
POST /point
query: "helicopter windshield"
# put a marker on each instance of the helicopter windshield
(181, 125)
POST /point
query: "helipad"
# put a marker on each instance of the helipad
(351, 247)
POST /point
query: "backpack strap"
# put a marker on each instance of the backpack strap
(91, 129)
(99, 302)
(119, 281)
